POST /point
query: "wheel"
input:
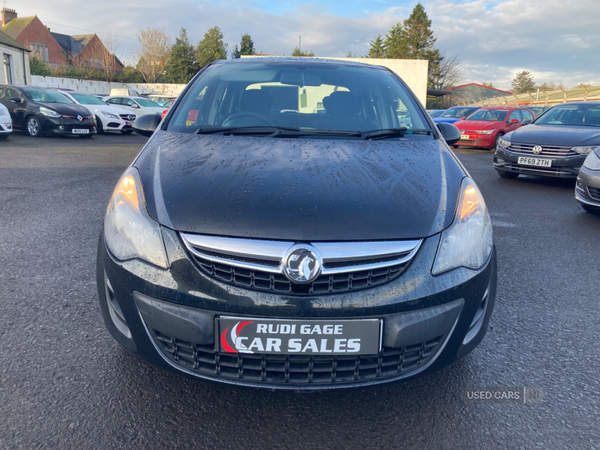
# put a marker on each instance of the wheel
(455, 146)
(496, 142)
(509, 175)
(34, 127)
(99, 127)
(591, 209)
(126, 131)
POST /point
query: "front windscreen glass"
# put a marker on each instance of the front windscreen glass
(88, 99)
(48, 96)
(489, 115)
(457, 112)
(303, 95)
(574, 115)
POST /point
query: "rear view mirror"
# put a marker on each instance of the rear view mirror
(146, 124)
(300, 79)
(514, 121)
(526, 122)
(449, 132)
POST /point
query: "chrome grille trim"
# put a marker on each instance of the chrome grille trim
(547, 150)
(274, 251)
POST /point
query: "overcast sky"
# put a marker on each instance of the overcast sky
(557, 40)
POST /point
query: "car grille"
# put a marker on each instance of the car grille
(594, 193)
(264, 273)
(128, 116)
(296, 369)
(547, 150)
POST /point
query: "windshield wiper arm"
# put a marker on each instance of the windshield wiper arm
(275, 131)
(393, 132)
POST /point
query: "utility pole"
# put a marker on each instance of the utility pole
(300, 43)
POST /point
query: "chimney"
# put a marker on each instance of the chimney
(8, 15)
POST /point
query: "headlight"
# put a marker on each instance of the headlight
(110, 115)
(503, 143)
(484, 131)
(48, 112)
(468, 242)
(585, 150)
(592, 162)
(128, 229)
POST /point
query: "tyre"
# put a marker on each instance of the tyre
(509, 175)
(126, 131)
(496, 142)
(591, 209)
(34, 127)
(99, 127)
(455, 146)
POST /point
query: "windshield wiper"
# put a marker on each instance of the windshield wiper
(274, 131)
(393, 132)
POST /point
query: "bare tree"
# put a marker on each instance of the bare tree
(152, 53)
(106, 53)
(446, 73)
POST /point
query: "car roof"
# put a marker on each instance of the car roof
(291, 60)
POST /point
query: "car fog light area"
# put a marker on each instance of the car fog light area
(128, 229)
(468, 242)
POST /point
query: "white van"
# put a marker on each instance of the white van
(123, 91)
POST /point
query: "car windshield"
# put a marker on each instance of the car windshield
(457, 112)
(574, 115)
(147, 103)
(87, 99)
(307, 96)
(49, 96)
(489, 115)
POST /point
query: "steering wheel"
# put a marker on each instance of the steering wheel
(251, 119)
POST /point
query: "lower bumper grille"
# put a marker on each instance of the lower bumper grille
(594, 193)
(296, 369)
(552, 171)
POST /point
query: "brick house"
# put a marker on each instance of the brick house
(33, 34)
(87, 50)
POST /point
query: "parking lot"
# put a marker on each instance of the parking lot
(65, 383)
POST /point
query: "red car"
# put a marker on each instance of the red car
(485, 126)
(167, 105)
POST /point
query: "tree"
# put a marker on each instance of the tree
(211, 48)
(182, 61)
(444, 72)
(547, 87)
(37, 66)
(395, 43)
(523, 83)
(298, 52)
(107, 54)
(246, 47)
(153, 53)
(487, 84)
(377, 49)
(418, 35)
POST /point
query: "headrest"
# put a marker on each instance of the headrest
(341, 103)
(257, 101)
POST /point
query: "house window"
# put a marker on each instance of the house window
(7, 69)
(40, 50)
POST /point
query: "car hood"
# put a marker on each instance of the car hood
(559, 135)
(299, 189)
(446, 119)
(471, 125)
(109, 109)
(69, 109)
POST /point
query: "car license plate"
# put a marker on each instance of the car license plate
(465, 136)
(299, 337)
(534, 162)
(128, 122)
(80, 131)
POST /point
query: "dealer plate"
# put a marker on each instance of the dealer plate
(80, 131)
(299, 337)
(465, 136)
(523, 160)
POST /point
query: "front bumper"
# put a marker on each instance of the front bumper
(64, 125)
(5, 125)
(587, 189)
(479, 140)
(562, 167)
(168, 316)
(112, 124)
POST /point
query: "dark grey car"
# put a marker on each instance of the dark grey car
(587, 190)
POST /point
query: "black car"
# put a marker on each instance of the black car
(40, 111)
(287, 232)
(587, 188)
(555, 145)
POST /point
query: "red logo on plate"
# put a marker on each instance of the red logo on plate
(236, 345)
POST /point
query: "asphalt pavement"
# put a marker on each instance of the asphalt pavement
(65, 384)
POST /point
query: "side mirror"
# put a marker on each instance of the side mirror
(449, 132)
(513, 121)
(16, 100)
(526, 122)
(146, 124)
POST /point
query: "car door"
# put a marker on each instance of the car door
(130, 105)
(527, 115)
(15, 109)
(514, 115)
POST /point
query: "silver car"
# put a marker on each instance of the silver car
(587, 189)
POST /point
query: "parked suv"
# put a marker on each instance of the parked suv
(40, 111)
(263, 242)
